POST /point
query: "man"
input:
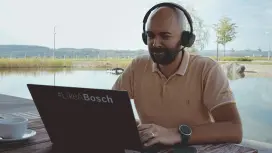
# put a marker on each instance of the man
(187, 90)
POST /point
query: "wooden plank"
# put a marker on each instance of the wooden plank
(8, 98)
(40, 137)
(224, 148)
(262, 147)
(45, 147)
(29, 115)
(12, 104)
(41, 144)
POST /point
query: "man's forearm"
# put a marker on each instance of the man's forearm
(216, 133)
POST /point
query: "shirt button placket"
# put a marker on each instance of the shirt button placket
(164, 90)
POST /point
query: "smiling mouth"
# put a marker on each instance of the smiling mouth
(158, 53)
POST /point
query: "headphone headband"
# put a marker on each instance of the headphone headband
(169, 4)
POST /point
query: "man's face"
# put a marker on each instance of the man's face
(163, 30)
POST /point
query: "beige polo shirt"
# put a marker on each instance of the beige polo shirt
(187, 97)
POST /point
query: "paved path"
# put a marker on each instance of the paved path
(17, 106)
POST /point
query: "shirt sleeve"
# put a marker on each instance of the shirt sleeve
(125, 81)
(217, 90)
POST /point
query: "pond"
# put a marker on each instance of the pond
(254, 95)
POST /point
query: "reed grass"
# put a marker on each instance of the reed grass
(34, 63)
(231, 58)
(102, 63)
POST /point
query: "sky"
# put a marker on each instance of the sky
(117, 24)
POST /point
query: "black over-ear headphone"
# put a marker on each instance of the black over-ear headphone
(187, 37)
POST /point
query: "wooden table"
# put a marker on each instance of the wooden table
(42, 144)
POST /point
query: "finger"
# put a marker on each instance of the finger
(151, 142)
(144, 126)
(145, 131)
(147, 135)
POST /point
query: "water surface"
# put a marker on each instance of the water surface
(254, 95)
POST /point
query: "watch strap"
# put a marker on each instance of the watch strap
(184, 139)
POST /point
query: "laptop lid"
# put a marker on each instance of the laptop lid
(90, 119)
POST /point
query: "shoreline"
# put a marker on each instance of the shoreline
(110, 65)
(255, 68)
(252, 69)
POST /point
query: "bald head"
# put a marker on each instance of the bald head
(168, 15)
(164, 27)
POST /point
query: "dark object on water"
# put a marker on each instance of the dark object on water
(116, 71)
(241, 69)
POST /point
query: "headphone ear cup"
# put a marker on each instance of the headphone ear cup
(187, 39)
(191, 40)
(144, 37)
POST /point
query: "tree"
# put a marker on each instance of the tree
(200, 30)
(225, 32)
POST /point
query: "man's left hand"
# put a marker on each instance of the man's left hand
(151, 134)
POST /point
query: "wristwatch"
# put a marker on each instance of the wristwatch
(185, 133)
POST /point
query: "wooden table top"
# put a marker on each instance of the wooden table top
(41, 143)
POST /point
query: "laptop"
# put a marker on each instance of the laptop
(87, 120)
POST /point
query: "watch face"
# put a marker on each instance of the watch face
(186, 130)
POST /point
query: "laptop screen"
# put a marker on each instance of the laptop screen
(92, 117)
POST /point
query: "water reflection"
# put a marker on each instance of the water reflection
(230, 70)
(235, 76)
(253, 95)
(34, 71)
(254, 101)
